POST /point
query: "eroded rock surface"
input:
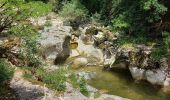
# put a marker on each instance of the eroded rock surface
(54, 39)
(143, 67)
(28, 91)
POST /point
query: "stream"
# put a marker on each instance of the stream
(120, 83)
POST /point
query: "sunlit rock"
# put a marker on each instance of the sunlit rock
(137, 73)
(54, 41)
(155, 76)
(80, 62)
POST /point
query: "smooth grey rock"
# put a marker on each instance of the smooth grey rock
(52, 39)
(167, 82)
(80, 62)
(93, 54)
(155, 77)
(137, 73)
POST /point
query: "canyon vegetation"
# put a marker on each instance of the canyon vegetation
(84, 49)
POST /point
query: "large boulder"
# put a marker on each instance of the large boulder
(94, 55)
(62, 56)
(143, 67)
(137, 73)
(155, 76)
(80, 62)
(54, 40)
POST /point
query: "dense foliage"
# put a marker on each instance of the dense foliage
(136, 20)
(142, 21)
(73, 8)
(17, 14)
(133, 15)
(6, 72)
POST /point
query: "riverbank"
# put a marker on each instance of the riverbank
(89, 49)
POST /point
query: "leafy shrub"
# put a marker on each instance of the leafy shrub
(96, 18)
(28, 9)
(7, 17)
(38, 8)
(135, 15)
(6, 72)
(30, 52)
(22, 28)
(40, 72)
(157, 9)
(27, 75)
(83, 86)
(120, 23)
(163, 50)
(56, 79)
(74, 80)
(73, 9)
(79, 82)
(158, 53)
(140, 14)
(166, 38)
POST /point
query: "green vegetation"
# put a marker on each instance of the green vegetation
(18, 12)
(30, 50)
(83, 86)
(6, 71)
(27, 9)
(158, 53)
(31, 56)
(137, 21)
(54, 79)
(14, 23)
(136, 16)
(163, 50)
(73, 79)
(27, 75)
(57, 79)
(73, 9)
(79, 82)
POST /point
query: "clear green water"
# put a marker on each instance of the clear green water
(120, 83)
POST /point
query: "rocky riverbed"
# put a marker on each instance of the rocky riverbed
(55, 43)
(87, 46)
(94, 49)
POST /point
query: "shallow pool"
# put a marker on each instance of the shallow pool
(120, 82)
